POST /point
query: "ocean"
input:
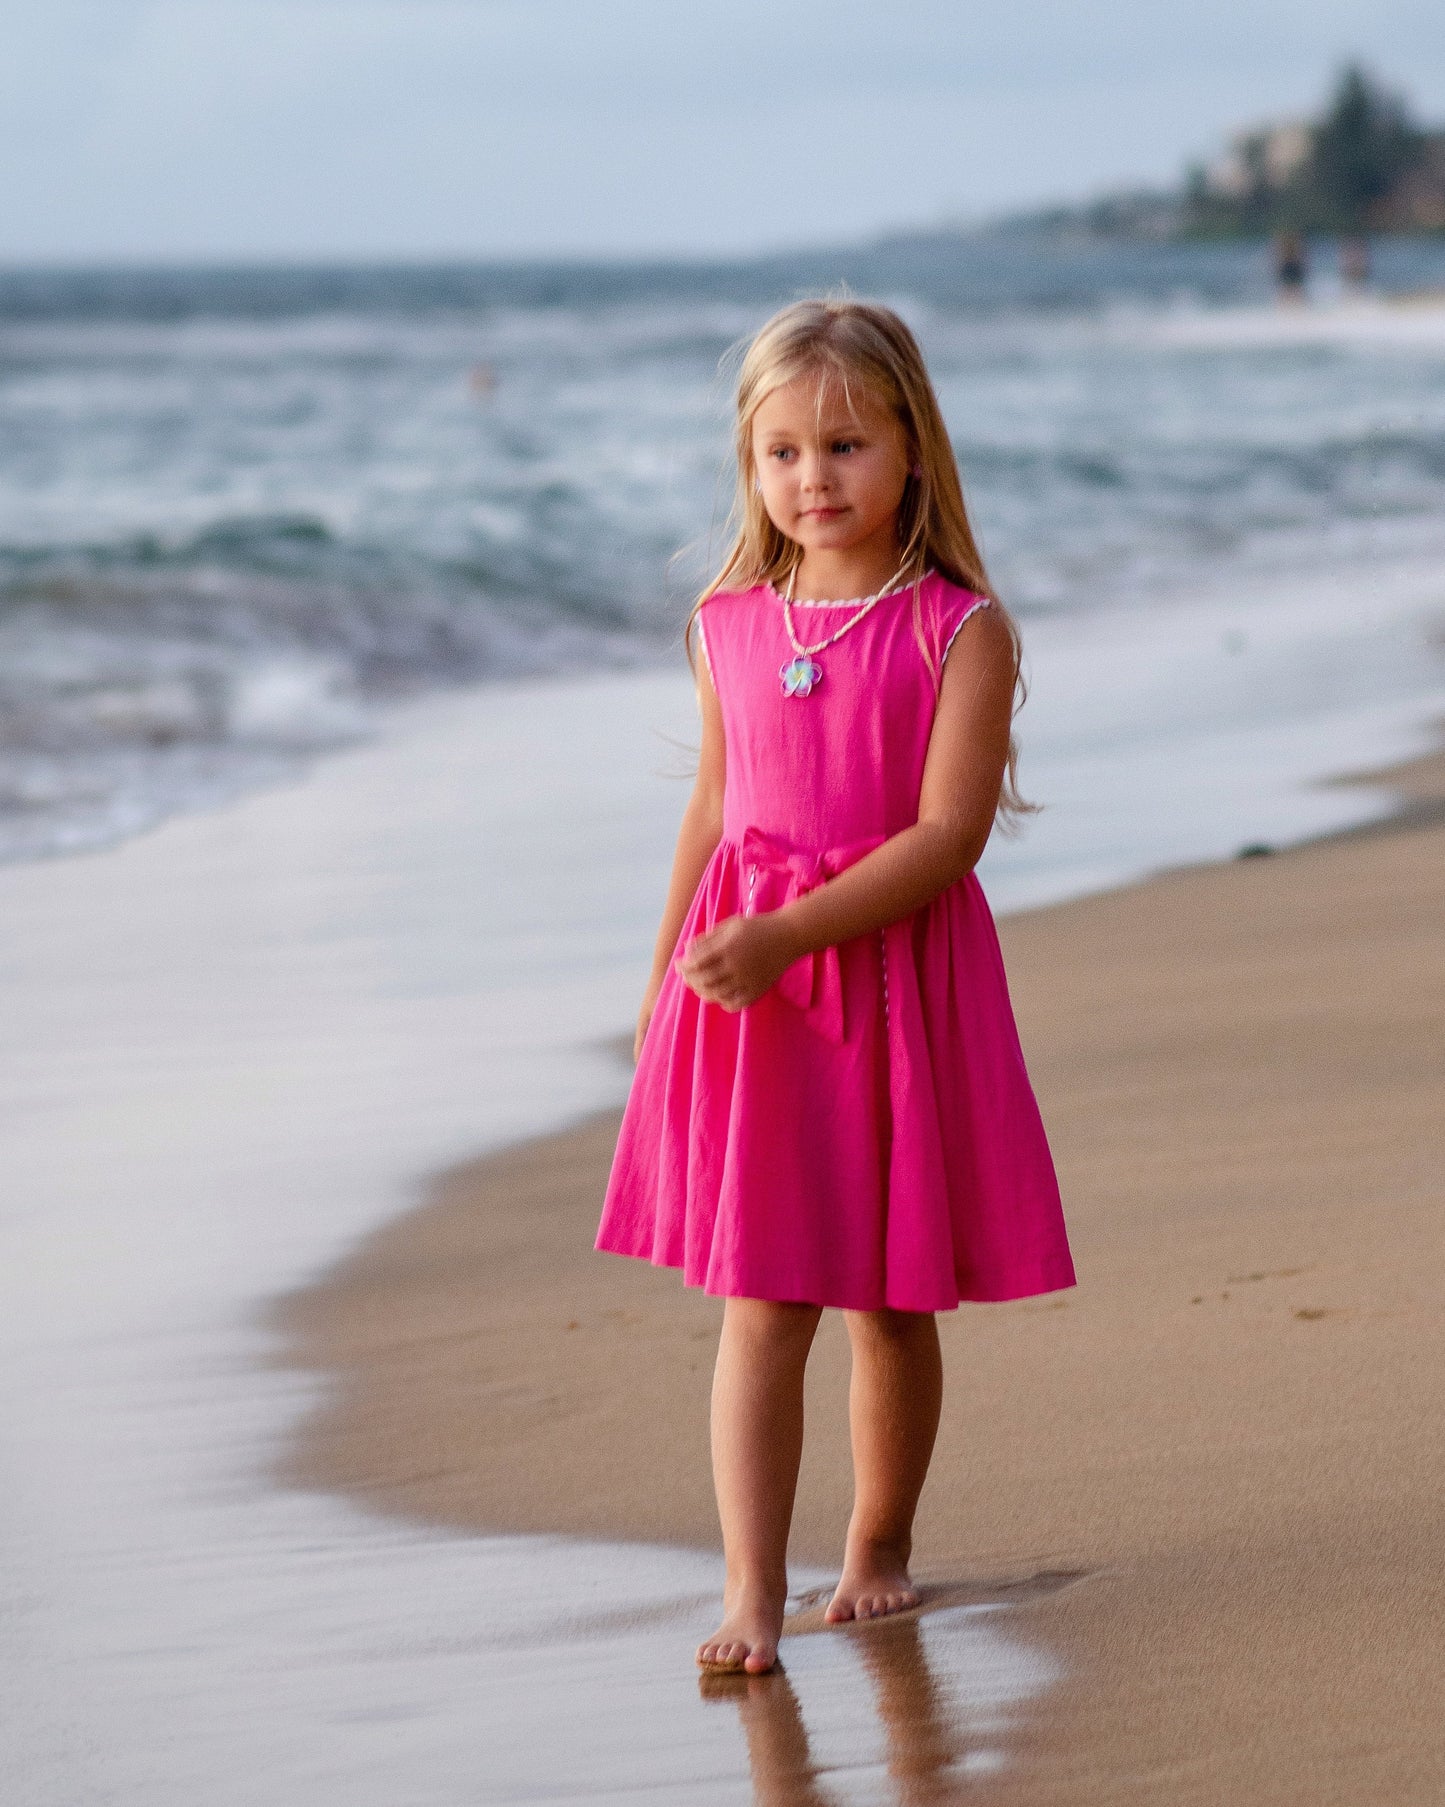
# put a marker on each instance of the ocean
(242, 511)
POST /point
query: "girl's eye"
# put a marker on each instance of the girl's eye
(841, 446)
(782, 452)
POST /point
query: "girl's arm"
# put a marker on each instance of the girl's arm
(697, 840)
(735, 962)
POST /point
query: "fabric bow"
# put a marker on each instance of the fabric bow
(777, 872)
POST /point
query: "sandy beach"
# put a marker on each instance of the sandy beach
(1209, 1479)
(232, 1051)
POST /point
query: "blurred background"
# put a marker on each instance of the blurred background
(347, 350)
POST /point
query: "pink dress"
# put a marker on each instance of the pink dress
(865, 1134)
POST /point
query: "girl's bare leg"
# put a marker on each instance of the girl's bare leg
(893, 1407)
(757, 1443)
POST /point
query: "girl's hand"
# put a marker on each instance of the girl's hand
(737, 960)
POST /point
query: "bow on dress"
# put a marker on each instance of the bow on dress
(777, 873)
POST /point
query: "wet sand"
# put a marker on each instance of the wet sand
(1227, 1436)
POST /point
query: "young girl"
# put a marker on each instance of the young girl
(830, 1106)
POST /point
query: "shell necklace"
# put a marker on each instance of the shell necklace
(802, 672)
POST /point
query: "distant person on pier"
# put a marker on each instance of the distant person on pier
(1291, 265)
(1355, 264)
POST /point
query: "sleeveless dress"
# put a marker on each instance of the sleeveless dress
(865, 1134)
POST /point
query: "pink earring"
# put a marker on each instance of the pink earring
(917, 471)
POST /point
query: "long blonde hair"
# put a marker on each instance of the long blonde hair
(860, 343)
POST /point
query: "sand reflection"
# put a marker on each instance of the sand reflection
(927, 1749)
(779, 1755)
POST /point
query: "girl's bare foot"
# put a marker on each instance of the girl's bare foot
(875, 1583)
(747, 1640)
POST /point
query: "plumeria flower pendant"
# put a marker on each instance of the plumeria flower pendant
(799, 675)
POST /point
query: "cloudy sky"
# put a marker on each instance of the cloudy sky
(233, 128)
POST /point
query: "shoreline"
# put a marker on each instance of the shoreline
(1224, 1429)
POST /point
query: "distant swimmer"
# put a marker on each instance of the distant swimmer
(1291, 265)
(482, 380)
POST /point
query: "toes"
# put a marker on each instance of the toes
(879, 1606)
(752, 1659)
(723, 1653)
(869, 1605)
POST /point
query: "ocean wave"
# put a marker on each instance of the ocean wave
(1404, 323)
(238, 510)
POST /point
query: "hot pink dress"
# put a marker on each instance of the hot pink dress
(865, 1134)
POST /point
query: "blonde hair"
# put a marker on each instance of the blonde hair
(848, 343)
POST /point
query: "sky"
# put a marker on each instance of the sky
(231, 129)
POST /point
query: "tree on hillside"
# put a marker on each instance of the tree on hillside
(1338, 173)
(1361, 148)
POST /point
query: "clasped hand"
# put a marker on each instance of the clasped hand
(737, 960)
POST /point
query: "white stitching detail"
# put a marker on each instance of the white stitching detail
(706, 655)
(980, 602)
(883, 962)
(851, 602)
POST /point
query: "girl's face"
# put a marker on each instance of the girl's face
(831, 474)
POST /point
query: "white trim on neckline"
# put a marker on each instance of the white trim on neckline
(851, 602)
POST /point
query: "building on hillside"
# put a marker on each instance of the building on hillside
(1260, 161)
